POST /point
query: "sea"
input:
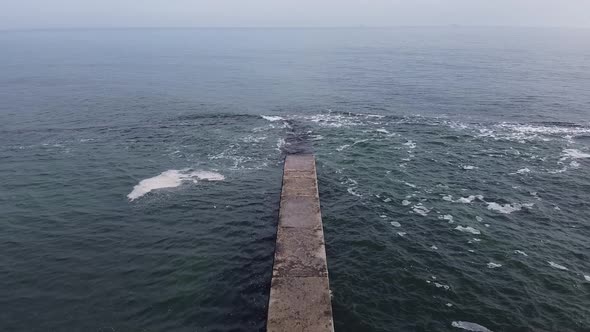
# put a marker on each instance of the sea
(140, 174)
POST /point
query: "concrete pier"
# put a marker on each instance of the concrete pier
(300, 289)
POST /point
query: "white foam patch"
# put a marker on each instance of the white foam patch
(395, 224)
(470, 326)
(576, 154)
(557, 266)
(523, 171)
(478, 218)
(317, 137)
(352, 186)
(420, 209)
(468, 167)
(272, 118)
(447, 198)
(557, 171)
(360, 141)
(522, 133)
(334, 120)
(405, 202)
(433, 247)
(410, 144)
(468, 229)
(439, 285)
(508, 208)
(447, 217)
(250, 139)
(587, 278)
(464, 200)
(281, 143)
(469, 199)
(342, 147)
(520, 252)
(492, 265)
(171, 179)
(353, 192)
(402, 234)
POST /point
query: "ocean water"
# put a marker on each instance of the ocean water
(140, 175)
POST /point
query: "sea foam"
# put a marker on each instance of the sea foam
(468, 229)
(447, 217)
(420, 209)
(464, 200)
(439, 285)
(467, 200)
(557, 266)
(171, 179)
(272, 118)
(508, 208)
(492, 265)
(342, 147)
(470, 326)
(577, 154)
(410, 144)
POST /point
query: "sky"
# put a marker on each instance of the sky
(26, 14)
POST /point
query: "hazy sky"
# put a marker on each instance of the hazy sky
(16, 14)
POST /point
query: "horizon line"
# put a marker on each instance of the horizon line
(302, 27)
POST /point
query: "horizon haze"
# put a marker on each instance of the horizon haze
(37, 14)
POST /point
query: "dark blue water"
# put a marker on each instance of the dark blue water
(139, 180)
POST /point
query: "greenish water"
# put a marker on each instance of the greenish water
(140, 175)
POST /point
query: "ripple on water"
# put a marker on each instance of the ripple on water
(437, 178)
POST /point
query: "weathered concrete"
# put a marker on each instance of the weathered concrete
(300, 289)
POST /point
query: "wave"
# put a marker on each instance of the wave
(170, 179)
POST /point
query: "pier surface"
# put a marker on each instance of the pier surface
(300, 289)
